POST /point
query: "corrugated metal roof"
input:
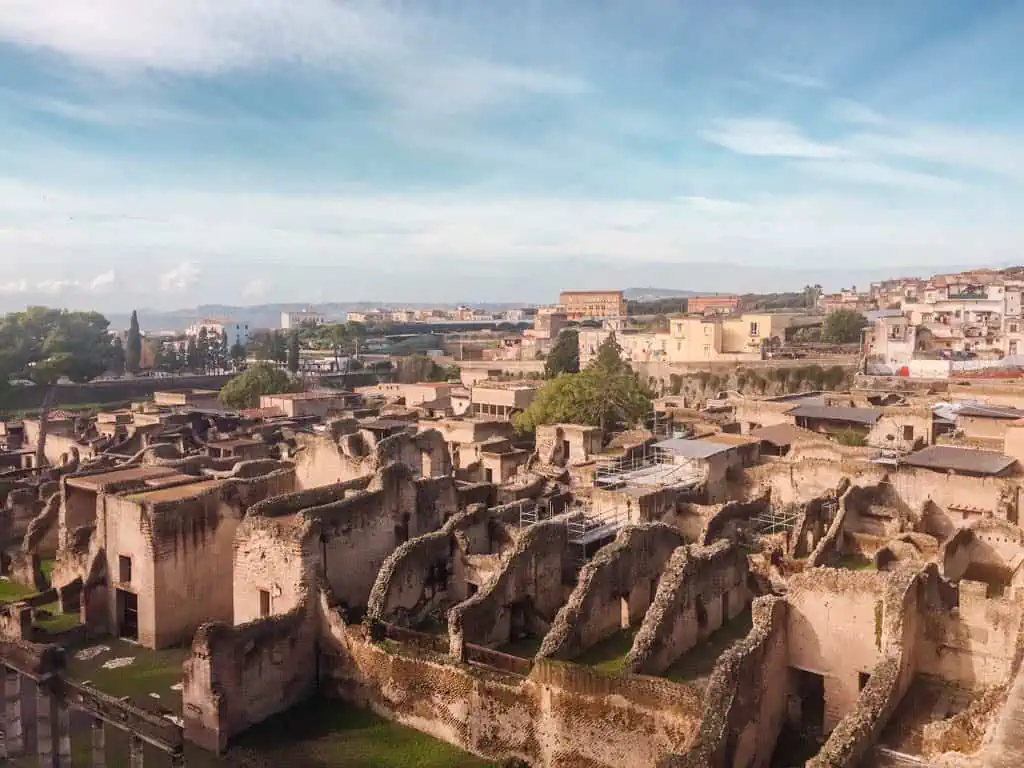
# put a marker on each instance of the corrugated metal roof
(693, 449)
(951, 457)
(849, 414)
(990, 411)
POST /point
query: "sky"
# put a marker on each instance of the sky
(169, 153)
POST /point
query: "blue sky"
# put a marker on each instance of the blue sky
(165, 153)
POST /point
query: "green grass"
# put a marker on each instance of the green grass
(609, 655)
(57, 622)
(855, 562)
(150, 672)
(699, 662)
(11, 592)
(46, 566)
(330, 733)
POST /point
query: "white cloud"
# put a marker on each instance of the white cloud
(769, 138)
(102, 281)
(14, 287)
(978, 150)
(880, 174)
(794, 78)
(854, 112)
(255, 289)
(179, 279)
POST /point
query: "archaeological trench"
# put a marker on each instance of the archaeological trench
(808, 609)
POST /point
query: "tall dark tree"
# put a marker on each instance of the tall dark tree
(278, 348)
(118, 358)
(224, 353)
(842, 326)
(193, 358)
(293, 352)
(237, 354)
(564, 356)
(133, 345)
(203, 349)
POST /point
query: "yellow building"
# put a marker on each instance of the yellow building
(592, 305)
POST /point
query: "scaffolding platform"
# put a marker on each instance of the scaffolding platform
(652, 468)
(776, 520)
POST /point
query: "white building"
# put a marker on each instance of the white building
(236, 333)
(293, 320)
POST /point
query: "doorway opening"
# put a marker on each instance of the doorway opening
(127, 614)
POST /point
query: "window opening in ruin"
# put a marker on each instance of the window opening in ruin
(908, 432)
(124, 569)
(402, 531)
(565, 450)
(702, 614)
(862, 680)
(472, 588)
(127, 614)
(517, 621)
(264, 603)
(488, 475)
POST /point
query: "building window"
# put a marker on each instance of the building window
(753, 329)
(707, 350)
(1013, 327)
(908, 432)
(124, 569)
(264, 603)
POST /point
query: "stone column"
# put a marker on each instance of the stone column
(135, 752)
(14, 738)
(99, 744)
(44, 725)
(63, 734)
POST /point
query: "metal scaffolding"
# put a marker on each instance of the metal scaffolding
(587, 526)
(651, 466)
(776, 519)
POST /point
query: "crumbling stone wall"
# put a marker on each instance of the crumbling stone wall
(529, 582)
(324, 460)
(860, 729)
(746, 698)
(407, 583)
(989, 550)
(968, 638)
(701, 589)
(238, 676)
(732, 516)
(614, 590)
(558, 716)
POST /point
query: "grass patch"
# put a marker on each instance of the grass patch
(855, 562)
(150, 672)
(609, 655)
(324, 732)
(57, 622)
(698, 663)
(11, 591)
(46, 566)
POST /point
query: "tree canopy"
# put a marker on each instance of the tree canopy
(564, 356)
(842, 326)
(605, 394)
(244, 390)
(45, 345)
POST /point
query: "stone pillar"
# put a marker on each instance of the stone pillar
(135, 752)
(63, 734)
(13, 736)
(44, 725)
(99, 744)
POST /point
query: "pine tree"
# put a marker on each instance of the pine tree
(293, 353)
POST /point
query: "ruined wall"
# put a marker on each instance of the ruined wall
(746, 698)
(403, 582)
(701, 589)
(120, 531)
(859, 730)
(322, 460)
(529, 580)
(559, 715)
(613, 591)
(834, 629)
(271, 554)
(238, 676)
(970, 640)
(358, 533)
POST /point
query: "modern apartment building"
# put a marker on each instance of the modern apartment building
(293, 320)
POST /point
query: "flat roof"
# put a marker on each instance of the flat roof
(234, 442)
(693, 449)
(310, 395)
(951, 457)
(174, 493)
(866, 416)
(99, 481)
(727, 438)
(990, 411)
(386, 424)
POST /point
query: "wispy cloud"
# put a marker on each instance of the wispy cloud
(849, 111)
(769, 138)
(53, 287)
(794, 79)
(180, 278)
